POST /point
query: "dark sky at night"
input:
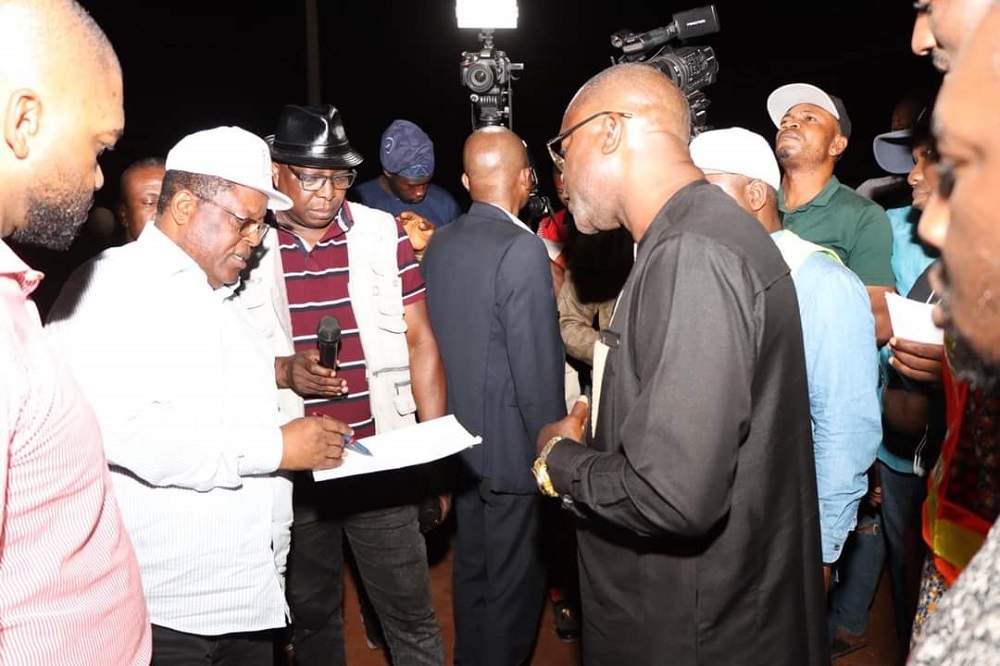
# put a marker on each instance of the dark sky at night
(191, 65)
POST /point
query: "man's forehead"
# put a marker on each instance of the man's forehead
(103, 103)
(806, 107)
(572, 116)
(316, 171)
(413, 182)
(147, 172)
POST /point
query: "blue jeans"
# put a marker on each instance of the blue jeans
(857, 573)
(391, 558)
(902, 498)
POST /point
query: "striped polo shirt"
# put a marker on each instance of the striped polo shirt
(316, 281)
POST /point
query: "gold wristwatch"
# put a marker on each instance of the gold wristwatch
(541, 469)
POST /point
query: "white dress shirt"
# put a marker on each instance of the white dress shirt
(185, 395)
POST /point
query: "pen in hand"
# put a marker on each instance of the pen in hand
(352, 444)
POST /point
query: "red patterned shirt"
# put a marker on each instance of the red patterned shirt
(316, 281)
(70, 591)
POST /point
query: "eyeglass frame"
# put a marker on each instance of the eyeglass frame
(557, 157)
(351, 174)
(247, 226)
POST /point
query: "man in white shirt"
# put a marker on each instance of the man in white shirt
(185, 394)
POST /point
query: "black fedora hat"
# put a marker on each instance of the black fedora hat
(312, 136)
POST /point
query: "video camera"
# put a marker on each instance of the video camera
(487, 73)
(691, 68)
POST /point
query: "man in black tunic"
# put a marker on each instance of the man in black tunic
(696, 492)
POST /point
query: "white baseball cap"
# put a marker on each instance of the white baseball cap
(738, 151)
(230, 153)
(793, 94)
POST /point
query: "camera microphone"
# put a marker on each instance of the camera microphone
(328, 341)
(685, 25)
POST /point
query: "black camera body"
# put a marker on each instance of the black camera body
(691, 68)
(487, 74)
(486, 71)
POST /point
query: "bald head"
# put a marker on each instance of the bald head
(493, 152)
(638, 88)
(624, 147)
(40, 39)
(496, 167)
(61, 104)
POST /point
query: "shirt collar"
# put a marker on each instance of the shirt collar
(343, 222)
(13, 266)
(512, 218)
(169, 257)
(821, 199)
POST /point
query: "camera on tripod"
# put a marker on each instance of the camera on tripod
(487, 73)
(691, 68)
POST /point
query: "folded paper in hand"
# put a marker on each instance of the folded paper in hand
(911, 320)
(424, 442)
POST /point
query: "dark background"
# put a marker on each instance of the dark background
(190, 65)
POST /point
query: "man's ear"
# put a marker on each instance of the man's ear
(838, 146)
(756, 194)
(274, 174)
(528, 179)
(182, 207)
(21, 120)
(613, 126)
(465, 181)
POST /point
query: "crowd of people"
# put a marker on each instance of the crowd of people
(755, 437)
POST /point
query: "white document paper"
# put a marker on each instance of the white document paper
(911, 320)
(424, 442)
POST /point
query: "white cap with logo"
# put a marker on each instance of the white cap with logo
(737, 151)
(230, 153)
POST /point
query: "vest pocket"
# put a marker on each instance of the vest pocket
(398, 379)
(403, 400)
(389, 300)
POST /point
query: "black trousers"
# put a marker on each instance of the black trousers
(176, 648)
(499, 577)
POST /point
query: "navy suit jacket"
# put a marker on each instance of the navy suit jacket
(493, 310)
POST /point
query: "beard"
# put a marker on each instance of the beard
(968, 365)
(964, 361)
(53, 221)
(783, 153)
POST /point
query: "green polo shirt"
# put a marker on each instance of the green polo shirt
(854, 227)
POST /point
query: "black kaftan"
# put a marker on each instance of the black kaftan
(699, 529)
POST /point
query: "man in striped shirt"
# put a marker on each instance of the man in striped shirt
(331, 258)
(70, 592)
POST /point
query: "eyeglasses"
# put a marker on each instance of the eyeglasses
(555, 144)
(312, 182)
(246, 226)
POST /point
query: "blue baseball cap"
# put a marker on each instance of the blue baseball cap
(407, 151)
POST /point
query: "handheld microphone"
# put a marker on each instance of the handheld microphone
(328, 341)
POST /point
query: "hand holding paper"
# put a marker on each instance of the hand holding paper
(918, 361)
(911, 320)
(424, 442)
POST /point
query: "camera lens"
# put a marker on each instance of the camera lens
(479, 77)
